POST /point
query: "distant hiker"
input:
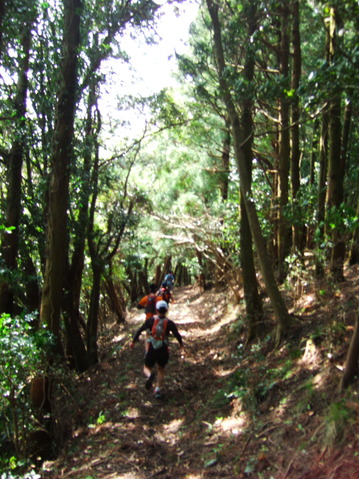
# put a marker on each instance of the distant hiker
(170, 280)
(160, 327)
(148, 303)
(165, 293)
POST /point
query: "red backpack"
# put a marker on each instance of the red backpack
(165, 295)
(158, 332)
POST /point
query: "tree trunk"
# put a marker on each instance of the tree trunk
(201, 277)
(239, 141)
(351, 366)
(336, 168)
(10, 241)
(298, 227)
(32, 291)
(118, 305)
(92, 320)
(226, 144)
(250, 285)
(322, 188)
(354, 247)
(284, 143)
(75, 341)
(76, 350)
(162, 271)
(314, 155)
(62, 152)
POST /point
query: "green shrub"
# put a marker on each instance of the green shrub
(23, 354)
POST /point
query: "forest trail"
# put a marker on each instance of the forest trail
(143, 437)
(226, 413)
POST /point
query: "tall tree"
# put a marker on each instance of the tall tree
(62, 154)
(239, 141)
(336, 168)
(283, 239)
(200, 66)
(103, 245)
(250, 285)
(298, 233)
(10, 241)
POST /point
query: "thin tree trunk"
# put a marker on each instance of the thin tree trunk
(322, 188)
(298, 228)
(225, 163)
(322, 179)
(252, 299)
(354, 246)
(309, 240)
(92, 320)
(250, 284)
(335, 192)
(118, 305)
(73, 291)
(351, 366)
(164, 270)
(32, 289)
(201, 277)
(239, 141)
(284, 143)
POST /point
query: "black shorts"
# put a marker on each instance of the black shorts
(159, 356)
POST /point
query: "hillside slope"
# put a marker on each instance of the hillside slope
(230, 411)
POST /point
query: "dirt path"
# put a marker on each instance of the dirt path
(256, 414)
(132, 435)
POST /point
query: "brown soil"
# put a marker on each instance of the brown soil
(229, 411)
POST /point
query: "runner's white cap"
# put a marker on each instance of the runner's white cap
(161, 305)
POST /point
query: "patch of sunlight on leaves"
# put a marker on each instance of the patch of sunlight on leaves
(119, 338)
(311, 356)
(101, 418)
(14, 463)
(233, 425)
(131, 412)
(173, 426)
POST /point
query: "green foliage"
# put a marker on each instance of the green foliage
(169, 112)
(23, 354)
(337, 422)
